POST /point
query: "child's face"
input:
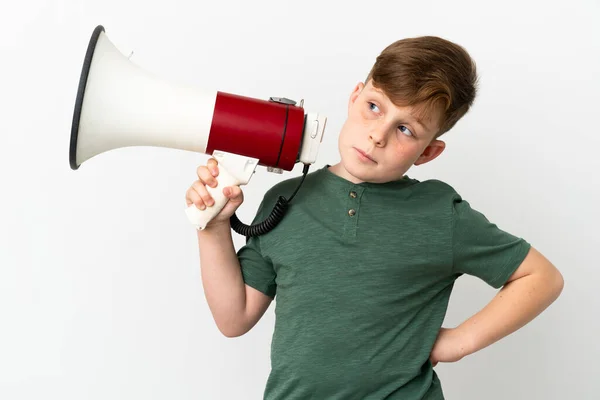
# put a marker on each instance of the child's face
(380, 141)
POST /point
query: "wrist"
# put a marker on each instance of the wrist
(215, 228)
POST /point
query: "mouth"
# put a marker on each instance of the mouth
(364, 155)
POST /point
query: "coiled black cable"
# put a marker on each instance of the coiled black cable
(277, 214)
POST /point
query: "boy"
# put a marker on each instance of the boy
(364, 261)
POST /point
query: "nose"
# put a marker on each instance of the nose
(378, 136)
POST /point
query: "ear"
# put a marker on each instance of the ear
(431, 152)
(354, 95)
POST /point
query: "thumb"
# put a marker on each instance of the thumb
(234, 194)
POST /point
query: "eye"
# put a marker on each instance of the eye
(373, 107)
(405, 130)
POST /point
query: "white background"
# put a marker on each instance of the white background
(100, 290)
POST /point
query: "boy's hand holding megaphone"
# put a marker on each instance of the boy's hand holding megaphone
(199, 195)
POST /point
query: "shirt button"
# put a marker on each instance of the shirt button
(353, 194)
(351, 212)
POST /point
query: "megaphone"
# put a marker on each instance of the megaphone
(119, 104)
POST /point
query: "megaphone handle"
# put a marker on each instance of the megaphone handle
(200, 218)
(234, 170)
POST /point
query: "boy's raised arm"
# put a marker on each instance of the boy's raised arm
(235, 306)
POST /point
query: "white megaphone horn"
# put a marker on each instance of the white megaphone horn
(119, 104)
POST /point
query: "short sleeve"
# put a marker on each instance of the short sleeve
(257, 270)
(482, 249)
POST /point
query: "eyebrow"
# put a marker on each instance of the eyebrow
(419, 122)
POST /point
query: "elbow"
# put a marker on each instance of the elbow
(231, 331)
(553, 283)
(558, 283)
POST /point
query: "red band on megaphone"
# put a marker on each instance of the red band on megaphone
(266, 130)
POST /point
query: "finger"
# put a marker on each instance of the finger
(212, 166)
(192, 197)
(203, 193)
(206, 176)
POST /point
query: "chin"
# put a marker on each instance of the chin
(359, 172)
(369, 173)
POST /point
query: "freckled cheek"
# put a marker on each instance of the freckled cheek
(362, 117)
(401, 150)
(363, 124)
(407, 153)
(356, 127)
